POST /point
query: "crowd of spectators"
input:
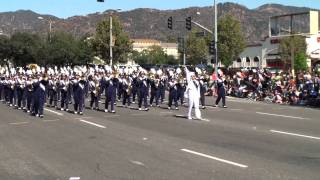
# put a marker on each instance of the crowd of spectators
(281, 88)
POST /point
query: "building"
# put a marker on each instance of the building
(266, 53)
(144, 44)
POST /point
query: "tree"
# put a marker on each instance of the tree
(231, 40)
(25, 47)
(153, 55)
(85, 50)
(286, 43)
(196, 49)
(101, 40)
(62, 49)
(5, 49)
(156, 55)
(140, 57)
(300, 62)
(171, 60)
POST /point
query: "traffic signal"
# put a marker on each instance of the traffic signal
(170, 22)
(188, 23)
(212, 48)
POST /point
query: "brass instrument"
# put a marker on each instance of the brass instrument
(97, 88)
(129, 90)
(157, 82)
(33, 66)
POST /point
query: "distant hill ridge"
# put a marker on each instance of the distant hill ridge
(149, 23)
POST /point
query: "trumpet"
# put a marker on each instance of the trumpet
(96, 88)
(157, 82)
(129, 90)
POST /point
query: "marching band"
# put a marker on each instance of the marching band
(33, 87)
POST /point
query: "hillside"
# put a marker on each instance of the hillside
(148, 23)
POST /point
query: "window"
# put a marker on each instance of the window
(248, 59)
(256, 59)
(239, 60)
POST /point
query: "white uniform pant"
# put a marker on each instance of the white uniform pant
(194, 102)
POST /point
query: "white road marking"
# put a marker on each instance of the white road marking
(137, 163)
(211, 107)
(236, 109)
(57, 113)
(19, 123)
(206, 120)
(51, 120)
(137, 114)
(215, 158)
(294, 134)
(279, 115)
(111, 116)
(74, 178)
(144, 139)
(84, 118)
(91, 123)
(166, 112)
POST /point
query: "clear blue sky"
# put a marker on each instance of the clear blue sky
(67, 8)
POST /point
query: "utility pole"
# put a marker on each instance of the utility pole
(184, 50)
(111, 53)
(216, 38)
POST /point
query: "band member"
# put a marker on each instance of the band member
(162, 88)
(29, 94)
(52, 91)
(181, 90)
(143, 90)
(94, 87)
(10, 91)
(20, 85)
(193, 93)
(127, 90)
(203, 90)
(173, 93)
(120, 89)
(39, 97)
(134, 87)
(64, 84)
(111, 85)
(155, 90)
(221, 91)
(79, 94)
(1, 87)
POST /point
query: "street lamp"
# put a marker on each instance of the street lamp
(111, 38)
(50, 25)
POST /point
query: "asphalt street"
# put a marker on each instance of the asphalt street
(248, 140)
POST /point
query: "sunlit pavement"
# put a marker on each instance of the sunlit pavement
(248, 140)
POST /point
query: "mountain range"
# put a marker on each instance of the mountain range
(148, 23)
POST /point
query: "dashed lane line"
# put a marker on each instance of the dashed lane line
(295, 134)
(280, 115)
(54, 112)
(215, 158)
(51, 120)
(19, 123)
(94, 124)
(111, 116)
(74, 178)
